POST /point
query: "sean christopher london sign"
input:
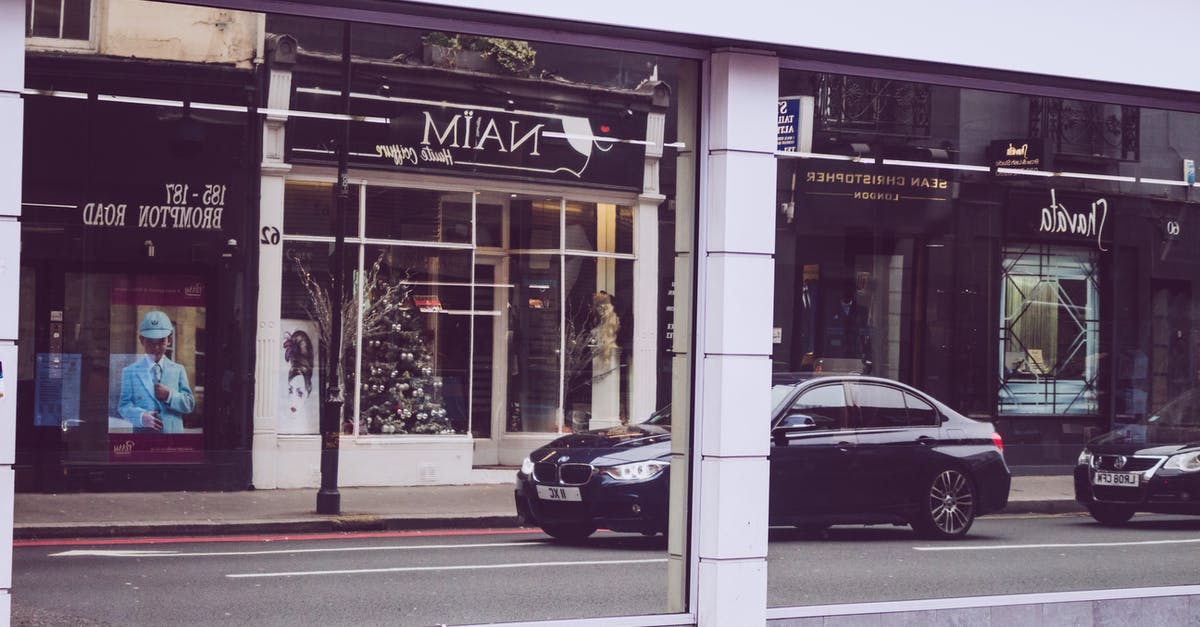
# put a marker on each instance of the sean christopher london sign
(180, 207)
(892, 186)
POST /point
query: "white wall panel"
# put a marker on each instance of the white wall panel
(736, 411)
(12, 47)
(8, 404)
(11, 127)
(743, 186)
(738, 304)
(10, 274)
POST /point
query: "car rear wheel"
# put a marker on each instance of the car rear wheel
(570, 532)
(947, 509)
(1111, 515)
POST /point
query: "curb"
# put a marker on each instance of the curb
(331, 524)
(1052, 506)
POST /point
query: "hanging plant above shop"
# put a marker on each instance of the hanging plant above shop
(480, 54)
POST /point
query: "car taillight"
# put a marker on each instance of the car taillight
(998, 441)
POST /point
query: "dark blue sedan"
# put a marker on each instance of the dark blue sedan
(844, 450)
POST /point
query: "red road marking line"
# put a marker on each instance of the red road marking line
(274, 538)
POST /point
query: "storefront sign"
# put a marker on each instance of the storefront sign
(1067, 217)
(863, 185)
(601, 142)
(1088, 223)
(499, 141)
(787, 134)
(1016, 154)
(180, 206)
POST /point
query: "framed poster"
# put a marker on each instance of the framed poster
(155, 396)
(299, 380)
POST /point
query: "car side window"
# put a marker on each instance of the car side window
(920, 413)
(879, 405)
(824, 405)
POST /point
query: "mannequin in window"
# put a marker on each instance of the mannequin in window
(846, 331)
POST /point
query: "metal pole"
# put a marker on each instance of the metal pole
(328, 497)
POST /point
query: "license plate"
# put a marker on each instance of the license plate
(553, 493)
(1123, 479)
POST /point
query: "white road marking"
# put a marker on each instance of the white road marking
(136, 553)
(1000, 547)
(413, 569)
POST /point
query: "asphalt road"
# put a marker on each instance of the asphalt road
(455, 578)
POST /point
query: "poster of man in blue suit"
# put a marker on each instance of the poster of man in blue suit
(154, 389)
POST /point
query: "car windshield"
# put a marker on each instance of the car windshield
(662, 417)
(1182, 411)
(779, 394)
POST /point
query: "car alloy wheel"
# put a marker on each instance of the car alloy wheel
(949, 508)
(1110, 515)
(569, 532)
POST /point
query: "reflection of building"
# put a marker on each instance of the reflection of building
(1053, 307)
(504, 203)
(961, 271)
(138, 167)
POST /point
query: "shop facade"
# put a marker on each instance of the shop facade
(650, 218)
(138, 194)
(1022, 256)
(505, 259)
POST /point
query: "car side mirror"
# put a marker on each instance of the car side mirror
(791, 423)
(798, 421)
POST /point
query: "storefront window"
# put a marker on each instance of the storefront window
(1025, 260)
(1049, 331)
(493, 191)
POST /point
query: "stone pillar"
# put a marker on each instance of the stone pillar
(12, 126)
(265, 448)
(735, 291)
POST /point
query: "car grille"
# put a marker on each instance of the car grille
(1132, 464)
(563, 474)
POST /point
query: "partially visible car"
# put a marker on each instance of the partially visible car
(1150, 465)
(844, 450)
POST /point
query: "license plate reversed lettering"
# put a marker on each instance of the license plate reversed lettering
(1122, 479)
(554, 493)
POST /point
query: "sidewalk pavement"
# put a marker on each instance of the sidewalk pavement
(487, 504)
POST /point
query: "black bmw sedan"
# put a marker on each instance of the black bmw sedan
(844, 450)
(1151, 465)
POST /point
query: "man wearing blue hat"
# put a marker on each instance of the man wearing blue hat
(154, 389)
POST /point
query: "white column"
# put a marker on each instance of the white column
(264, 448)
(643, 363)
(12, 126)
(736, 285)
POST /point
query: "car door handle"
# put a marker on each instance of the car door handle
(845, 446)
(926, 440)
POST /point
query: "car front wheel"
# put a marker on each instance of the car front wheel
(569, 532)
(947, 509)
(1110, 515)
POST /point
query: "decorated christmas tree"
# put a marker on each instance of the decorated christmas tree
(400, 392)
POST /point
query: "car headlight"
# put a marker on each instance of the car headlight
(527, 467)
(1085, 458)
(1186, 462)
(636, 471)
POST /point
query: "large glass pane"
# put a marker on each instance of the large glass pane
(597, 329)
(1020, 259)
(534, 222)
(309, 208)
(415, 341)
(418, 214)
(535, 317)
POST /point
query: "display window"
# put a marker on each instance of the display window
(135, 203)
(1025, 259)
